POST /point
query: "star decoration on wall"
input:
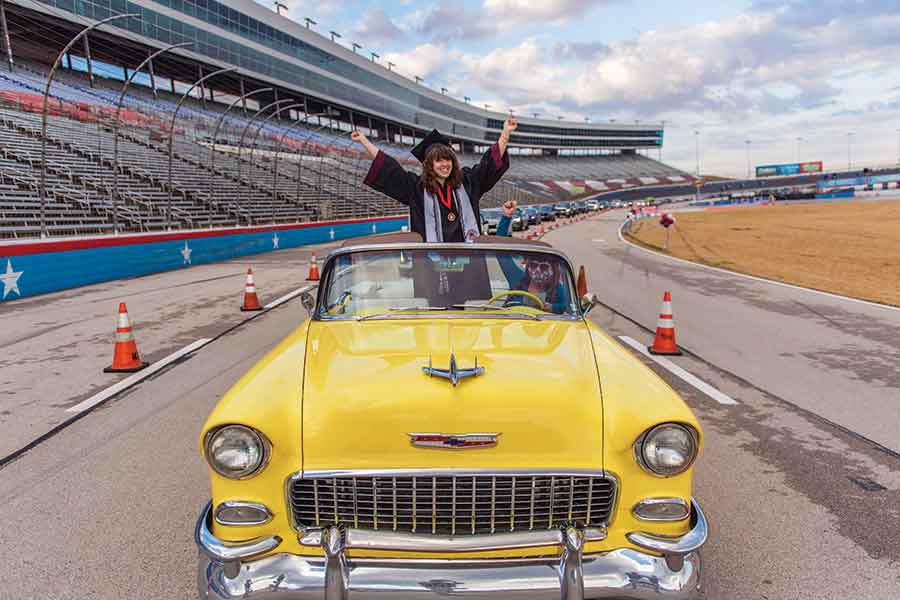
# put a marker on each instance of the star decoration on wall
(10, 280)
(331, 233)
(186, 253)
(275, 241)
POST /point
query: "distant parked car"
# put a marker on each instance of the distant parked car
(562, 209)
(593, 205)
(518, 220)
(547, 212)
(490, 218)
(533, 215)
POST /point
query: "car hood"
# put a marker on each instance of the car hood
(365, 391)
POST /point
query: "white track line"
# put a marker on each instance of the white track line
(288, 296)
(137, 377)
(755, 278)
(679, 372)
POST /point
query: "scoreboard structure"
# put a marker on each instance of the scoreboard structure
(803, 168)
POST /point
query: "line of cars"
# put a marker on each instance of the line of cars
(535, 214)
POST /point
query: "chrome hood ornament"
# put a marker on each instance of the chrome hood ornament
(453, 441)
(453, 374)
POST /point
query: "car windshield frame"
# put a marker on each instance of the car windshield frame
(320, 313)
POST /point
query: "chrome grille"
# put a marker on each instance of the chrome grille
(453, 504)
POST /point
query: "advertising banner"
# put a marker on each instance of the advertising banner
(803, 168)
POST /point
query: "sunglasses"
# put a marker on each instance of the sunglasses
(540, 267)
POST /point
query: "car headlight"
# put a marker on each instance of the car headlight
(236, 451)
(668, 449)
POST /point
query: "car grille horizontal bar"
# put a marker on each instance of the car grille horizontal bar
(453, 504)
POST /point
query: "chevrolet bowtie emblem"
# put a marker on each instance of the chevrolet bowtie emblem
(453, 441)
(453, 374)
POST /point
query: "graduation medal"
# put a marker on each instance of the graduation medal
(451, 216)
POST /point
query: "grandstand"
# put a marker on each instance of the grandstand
(290, 162)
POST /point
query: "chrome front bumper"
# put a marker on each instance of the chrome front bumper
(227, 571)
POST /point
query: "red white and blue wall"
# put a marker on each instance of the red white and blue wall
(29, 268)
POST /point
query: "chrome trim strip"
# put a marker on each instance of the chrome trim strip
(654, 501)
(238, 504)
(368, 539)
(223, 551)
(680, 545)
(326, 474)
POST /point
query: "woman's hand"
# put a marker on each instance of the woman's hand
(509, 208)
(508, 127)
(359, 136)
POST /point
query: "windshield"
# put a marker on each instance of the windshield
(386, 283)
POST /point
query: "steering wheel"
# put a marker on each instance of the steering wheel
(529, 295)
(340, 304)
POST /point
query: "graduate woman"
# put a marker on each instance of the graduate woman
(444, 200)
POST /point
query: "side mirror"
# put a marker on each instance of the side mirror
(308, 302)
(589, 301)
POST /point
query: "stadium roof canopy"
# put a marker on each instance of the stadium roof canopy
(271, 50)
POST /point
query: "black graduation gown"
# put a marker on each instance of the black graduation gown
(387, 176)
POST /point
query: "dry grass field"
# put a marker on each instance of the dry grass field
(850, 248)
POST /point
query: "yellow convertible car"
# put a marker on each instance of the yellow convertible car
(448, 423)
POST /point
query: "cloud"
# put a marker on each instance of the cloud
(551, 12)
(425, 60)
(376, 27)
(492, 16)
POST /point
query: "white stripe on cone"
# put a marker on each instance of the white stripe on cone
(666, 323)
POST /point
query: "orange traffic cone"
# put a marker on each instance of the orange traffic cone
(313, 269)
(664, 343)
(581, 286)
(251, 301)
(542, 229)
(125, 353)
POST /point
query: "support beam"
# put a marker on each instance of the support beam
(152, 75)
(202, 88)
(6, 44)
(243, 98)
(90, 65)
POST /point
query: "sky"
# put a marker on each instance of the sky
(792, 78)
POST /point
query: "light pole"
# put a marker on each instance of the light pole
(467, 100)
(747, 142)
(418, 79)
(375, 56)
(697, 149)
(172, 134)
(334, 34)
(390, 65)
(63, 52)
(443, 91)
(212, 148)
(849, 157)
(255, 116)
(122, 93)
(356, 47)
(288, 130)
(309, 22)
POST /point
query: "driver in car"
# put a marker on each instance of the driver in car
(538, 276)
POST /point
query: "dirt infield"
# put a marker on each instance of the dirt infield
(850, 248)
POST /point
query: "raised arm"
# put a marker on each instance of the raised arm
(360, 137)
(386, 175)
(508, 127)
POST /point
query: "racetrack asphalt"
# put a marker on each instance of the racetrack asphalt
(835, 357)
(799, 508)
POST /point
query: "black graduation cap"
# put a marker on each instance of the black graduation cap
(435, 137)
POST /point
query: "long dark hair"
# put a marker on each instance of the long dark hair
(429, 177)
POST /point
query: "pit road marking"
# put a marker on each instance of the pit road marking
(137, 377)
(687, 377)
(288, 296)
